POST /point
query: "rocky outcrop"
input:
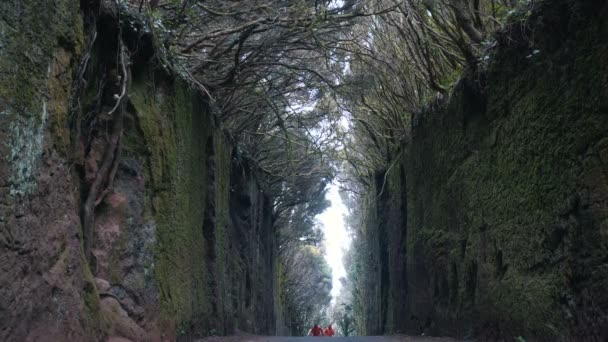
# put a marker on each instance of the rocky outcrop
(46, 290)
(492, 220)
(183, 244)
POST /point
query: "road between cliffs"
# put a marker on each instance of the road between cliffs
(395, 338)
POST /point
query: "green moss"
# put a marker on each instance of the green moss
(29, 91)
(175, 128)
(527, 305)
(93, 318)
(498, 188)
(158, 133)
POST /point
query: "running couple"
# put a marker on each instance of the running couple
(318, 331)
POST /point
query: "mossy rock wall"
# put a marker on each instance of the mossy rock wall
(495, 213)
(203, 263)
(183, 242)
(46, 289)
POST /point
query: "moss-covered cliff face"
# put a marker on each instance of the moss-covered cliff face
(494, 216)
(203, 227)
(45, 285)
(183, 241)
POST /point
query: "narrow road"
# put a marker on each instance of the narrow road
(396, 338)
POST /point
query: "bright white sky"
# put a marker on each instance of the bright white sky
(336, 237)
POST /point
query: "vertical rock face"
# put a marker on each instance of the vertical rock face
(187, 229)
(495, 214)
(183, 241)
(45, 288)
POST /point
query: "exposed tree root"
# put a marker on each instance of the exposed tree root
(104, 178)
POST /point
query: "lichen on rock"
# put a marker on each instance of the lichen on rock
(26, 143)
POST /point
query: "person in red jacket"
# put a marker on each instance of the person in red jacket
(316, 330)
(329, 331)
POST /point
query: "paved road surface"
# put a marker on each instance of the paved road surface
(328, 339)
